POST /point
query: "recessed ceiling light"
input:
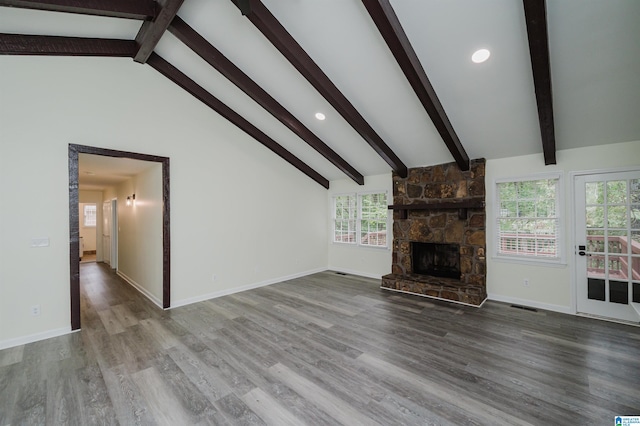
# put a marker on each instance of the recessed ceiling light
(480, 56)
(320, 116)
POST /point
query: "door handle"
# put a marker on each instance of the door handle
(581, 250)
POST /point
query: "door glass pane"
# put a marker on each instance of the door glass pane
(595, 192)
(618, 267)
(595, 217)
(619, 292)
(595, 241)
(595, 266)
(617, 242)
(596, 289)
(636, 292)
(617, 192)
(635, 267)
(634, 214)
(634, 190)
(617, 217)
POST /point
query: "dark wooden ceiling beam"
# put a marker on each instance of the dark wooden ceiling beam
(262, 18)
(217, 60)
(179, 78)
(389, 26)
(19, 44)
(151, 31)
(536, 17)
(131, 9)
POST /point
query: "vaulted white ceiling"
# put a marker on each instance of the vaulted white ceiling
(595, 69)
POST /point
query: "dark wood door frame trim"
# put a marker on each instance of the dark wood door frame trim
(74, 222)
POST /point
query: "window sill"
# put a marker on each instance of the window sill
(531, 262)
(338, 243)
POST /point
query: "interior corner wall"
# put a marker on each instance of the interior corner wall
(550, 287)
(240, 215)
(140, 232)
(373, 262)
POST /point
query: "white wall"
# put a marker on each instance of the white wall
(549, 287)
(366, 261)
(237, 211)
(140, 232)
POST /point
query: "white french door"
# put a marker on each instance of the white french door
(607, 207)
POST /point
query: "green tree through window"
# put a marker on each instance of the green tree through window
(361, 219)
(528, 218)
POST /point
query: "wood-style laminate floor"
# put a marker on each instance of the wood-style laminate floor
(321, 350)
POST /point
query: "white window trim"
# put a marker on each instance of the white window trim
(357, 243)
(560, 260)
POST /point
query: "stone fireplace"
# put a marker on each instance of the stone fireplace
(439, 240)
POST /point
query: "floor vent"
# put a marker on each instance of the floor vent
(526, 308)
(340, 273)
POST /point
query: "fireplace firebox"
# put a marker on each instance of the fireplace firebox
(437, 260)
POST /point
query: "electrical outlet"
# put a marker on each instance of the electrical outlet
(35, 310)
(526, 282)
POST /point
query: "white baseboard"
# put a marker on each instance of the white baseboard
(23, 340)
(358, 273)
(226, 292)
(434, 297)
(531, 303)
(141, 289)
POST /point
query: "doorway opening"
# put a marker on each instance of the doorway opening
(74, 221)
(88, 231)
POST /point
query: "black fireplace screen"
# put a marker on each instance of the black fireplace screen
(438, 260)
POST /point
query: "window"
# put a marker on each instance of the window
(528, 222)
(90, 215)
(345, 219)
(373, 219)
(361, 219)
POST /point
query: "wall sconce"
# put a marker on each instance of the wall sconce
(131, 199)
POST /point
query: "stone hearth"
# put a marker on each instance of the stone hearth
(437, 190)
